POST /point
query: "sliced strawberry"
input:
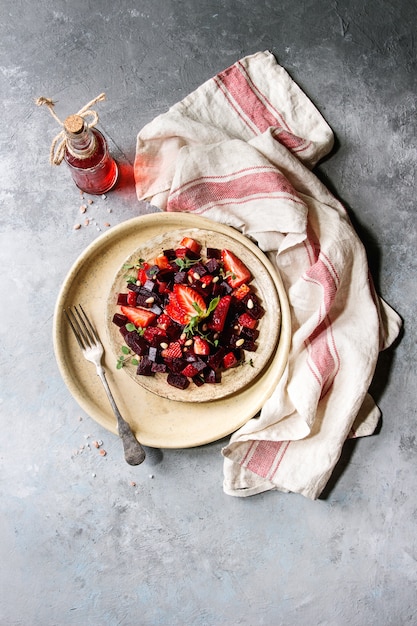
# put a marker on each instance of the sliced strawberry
(189, 300)
(190, 244)
(164, 321)
(173, 351)
(175, 312)
(180, 253)
(241, 291)
(229, 360)
(139, 317)
(131, 298)
(154, 334)
(218, 318)
(201, 346)
(162, 262)
(247, 320)
(142, 277)
(239, 273)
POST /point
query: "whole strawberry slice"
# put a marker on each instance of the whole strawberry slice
(173, 351)
(201, 346)
(237, 270)
(139, 317)
(185, 303)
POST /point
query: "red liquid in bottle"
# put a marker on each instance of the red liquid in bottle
(92, 168)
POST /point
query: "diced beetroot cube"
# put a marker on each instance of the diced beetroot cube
(169, 253)
(159, 367)
(253, 306)
(153, 353)
(145, 367)
(176, 365)
(155, 308)
(251, 334)
(134, 287)
(211, 376)
(198, 380)
(178, 380)
(136, 343)
(181, 277)
(200, 269)
(119, 319)
(150, 284)
(215, 360)
(249, 345)
(151, 272)
(213, 253)
(213, 266)
(122, 299)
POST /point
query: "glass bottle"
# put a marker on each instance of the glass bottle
(87, 156)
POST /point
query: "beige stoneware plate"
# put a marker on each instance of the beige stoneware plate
(156, 421)
(269, 325)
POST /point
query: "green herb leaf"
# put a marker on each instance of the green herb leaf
(186, 263)
(125, 350)
(130, 327)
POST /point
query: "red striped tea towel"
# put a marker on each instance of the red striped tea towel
(240, 150)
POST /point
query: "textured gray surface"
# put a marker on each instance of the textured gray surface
(79, 544)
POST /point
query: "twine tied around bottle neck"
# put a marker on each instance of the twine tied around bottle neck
(59, 143)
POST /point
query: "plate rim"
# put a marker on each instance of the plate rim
(269, 378)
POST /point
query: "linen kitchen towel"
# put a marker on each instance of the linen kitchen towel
(240, 150)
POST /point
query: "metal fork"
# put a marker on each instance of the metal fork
(93, 351)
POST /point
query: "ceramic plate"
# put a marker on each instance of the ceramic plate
(155, 420)
(234, 379)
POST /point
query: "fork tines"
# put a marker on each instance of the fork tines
(82, 328)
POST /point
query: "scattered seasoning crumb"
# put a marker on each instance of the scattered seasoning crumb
(86, 222)
(100, 443)
(98, 228)
(80, 419)
(151, 476)
(90, 201)
(96, 444)
(104, 196)
(132, 483)
(77, 226)
(106, 224)
(93, 475)
(109, 210)
(83, 208)
(102, 452)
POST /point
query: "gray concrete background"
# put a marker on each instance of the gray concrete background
(79, 544)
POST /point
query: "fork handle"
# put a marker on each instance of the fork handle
(133, 450)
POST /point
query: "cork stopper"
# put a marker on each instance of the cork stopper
(74, 124)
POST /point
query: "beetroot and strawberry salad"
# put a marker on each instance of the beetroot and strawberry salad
(187, 316)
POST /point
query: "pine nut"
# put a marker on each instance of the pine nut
(239, 343)
(250, 304)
